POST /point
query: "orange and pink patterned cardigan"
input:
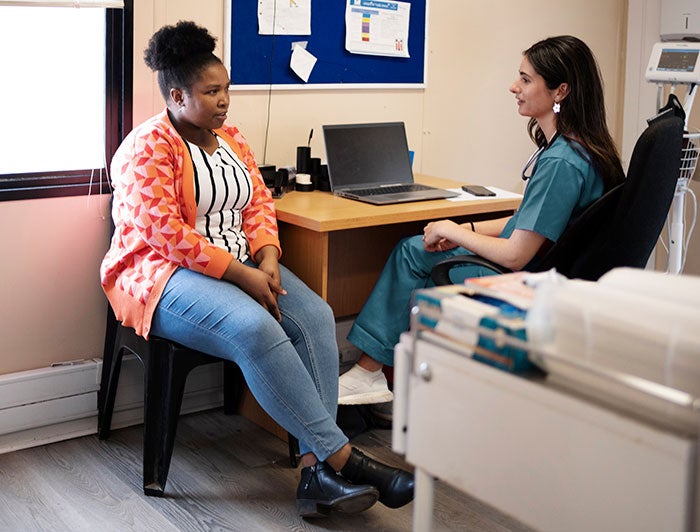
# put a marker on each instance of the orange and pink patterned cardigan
(154, 214)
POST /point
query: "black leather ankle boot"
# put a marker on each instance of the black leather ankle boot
(395, 485)
(321, 490)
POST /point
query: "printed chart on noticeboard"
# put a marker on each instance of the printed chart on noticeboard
(262, 35)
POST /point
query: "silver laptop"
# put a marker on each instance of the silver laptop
(370, 162)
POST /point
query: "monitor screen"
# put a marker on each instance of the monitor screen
(678, 60)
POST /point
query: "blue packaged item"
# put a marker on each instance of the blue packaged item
(490, 328)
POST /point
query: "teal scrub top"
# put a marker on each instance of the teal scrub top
(562, 185)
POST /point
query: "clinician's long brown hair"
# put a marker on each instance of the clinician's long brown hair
(567, 59)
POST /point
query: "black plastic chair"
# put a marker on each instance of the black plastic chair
(619, 229)
(166, 367)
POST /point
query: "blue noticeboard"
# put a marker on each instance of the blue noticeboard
(259, 61)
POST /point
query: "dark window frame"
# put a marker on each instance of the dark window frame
(118, 122)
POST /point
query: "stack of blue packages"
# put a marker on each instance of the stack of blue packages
(488, 325)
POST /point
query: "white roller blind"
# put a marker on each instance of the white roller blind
(63, 3)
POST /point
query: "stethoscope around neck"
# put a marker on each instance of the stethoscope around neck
(532, 161)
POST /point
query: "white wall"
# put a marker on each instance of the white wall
(464, 125)
(51, 305)
(471, 128)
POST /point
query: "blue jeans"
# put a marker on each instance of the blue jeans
(386, 314)
(290, 367)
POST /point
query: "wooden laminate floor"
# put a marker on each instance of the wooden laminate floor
(226, 474)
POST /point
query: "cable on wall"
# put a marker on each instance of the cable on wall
(269, 90)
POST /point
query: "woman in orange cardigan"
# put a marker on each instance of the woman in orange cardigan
(195, 259)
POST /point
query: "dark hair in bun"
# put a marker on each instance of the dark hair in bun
(178, 54)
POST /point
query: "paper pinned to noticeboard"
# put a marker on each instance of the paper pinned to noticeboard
(302, 61)
(284, 17)
(377, 27)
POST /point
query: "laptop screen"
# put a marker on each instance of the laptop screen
(360, 155)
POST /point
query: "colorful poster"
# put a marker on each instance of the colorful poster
(377, 27)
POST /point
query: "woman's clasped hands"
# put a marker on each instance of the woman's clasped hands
(437, 236)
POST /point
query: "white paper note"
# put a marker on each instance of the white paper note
(302, 62)
(284, 17)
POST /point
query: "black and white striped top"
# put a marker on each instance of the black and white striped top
(222, 190)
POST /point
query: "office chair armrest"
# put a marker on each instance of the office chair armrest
(440, 273)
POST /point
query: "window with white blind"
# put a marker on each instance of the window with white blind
(64, 95)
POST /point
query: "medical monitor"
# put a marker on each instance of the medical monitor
(674, 62)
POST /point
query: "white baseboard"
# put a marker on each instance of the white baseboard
(58, 403)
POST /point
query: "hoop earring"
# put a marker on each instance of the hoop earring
(556, 107)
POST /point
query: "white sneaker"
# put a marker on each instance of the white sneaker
(359, 386)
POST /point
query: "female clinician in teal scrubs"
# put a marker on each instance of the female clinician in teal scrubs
(559, 88)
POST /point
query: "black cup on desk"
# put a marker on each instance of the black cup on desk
(324, 182)
(303, 159)
(315, 170)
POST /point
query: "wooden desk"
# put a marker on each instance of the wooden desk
(339, 246)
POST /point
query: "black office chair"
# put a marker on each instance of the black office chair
(166, 367)
(619, 229)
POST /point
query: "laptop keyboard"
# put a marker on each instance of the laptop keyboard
(394, 189)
